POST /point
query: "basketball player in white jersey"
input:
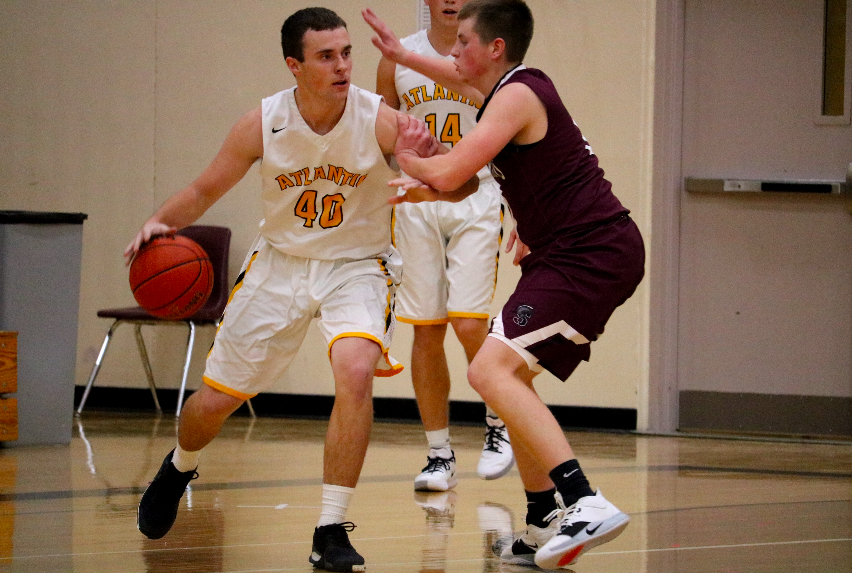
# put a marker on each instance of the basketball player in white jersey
(456, 246)
(324, 251)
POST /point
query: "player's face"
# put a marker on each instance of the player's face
(445, 11)
(327, 65)
(470, 54)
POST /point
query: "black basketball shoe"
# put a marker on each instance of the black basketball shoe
(333, 552)
(159, 504)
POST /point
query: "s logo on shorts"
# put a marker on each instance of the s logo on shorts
(523, 315)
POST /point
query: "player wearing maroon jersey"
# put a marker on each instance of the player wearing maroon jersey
(581, 256)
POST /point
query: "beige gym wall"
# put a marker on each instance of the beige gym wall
(110, 107)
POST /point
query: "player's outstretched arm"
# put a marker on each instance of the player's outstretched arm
(440, 70)
(241, 148)
(398, 132)
(415, 139)
(512, 113)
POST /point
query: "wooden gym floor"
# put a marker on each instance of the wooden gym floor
(696, 505)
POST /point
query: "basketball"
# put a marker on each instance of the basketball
(171, 277)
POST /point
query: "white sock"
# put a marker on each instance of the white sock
(439, 439)
(444, 452)
(185, 461)
(335, 502)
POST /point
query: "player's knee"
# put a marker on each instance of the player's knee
(430, 336)
(356, 390)
(470, 331)
(480, 378)
(359, 373)
(354, 380)
(209, 402)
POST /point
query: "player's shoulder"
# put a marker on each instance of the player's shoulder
(534, 78)
(512, 94)
(414, 42)
(277, 98)
(522, 85)
(250, 121)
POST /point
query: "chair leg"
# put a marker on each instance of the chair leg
(189, 343)
(97, 365)
(251, 408)
(146, 364)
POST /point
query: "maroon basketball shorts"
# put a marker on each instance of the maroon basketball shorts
(567, 292)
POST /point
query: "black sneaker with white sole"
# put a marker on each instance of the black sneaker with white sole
(158, 507)
(332, 550)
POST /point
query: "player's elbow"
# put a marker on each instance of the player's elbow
(448, 181)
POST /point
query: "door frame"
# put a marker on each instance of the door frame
(658, 407)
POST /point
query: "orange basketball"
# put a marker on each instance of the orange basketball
(171, 277)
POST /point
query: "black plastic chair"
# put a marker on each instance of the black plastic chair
(217, 242)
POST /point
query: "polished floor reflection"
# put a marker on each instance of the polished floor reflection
(696, 505)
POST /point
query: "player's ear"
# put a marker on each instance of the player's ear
(294, 65)
(498, 48)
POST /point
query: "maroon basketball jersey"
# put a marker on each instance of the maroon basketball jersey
(554, 186)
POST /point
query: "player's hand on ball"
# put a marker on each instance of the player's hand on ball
(148, 231)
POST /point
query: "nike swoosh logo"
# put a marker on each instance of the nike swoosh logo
(280, 129)
(592, 531)
(563, 475)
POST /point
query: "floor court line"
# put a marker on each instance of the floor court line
(301, 482)
(400, 537)
(228, 546)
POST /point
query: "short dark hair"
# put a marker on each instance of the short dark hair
(507, 19)
(294, 28)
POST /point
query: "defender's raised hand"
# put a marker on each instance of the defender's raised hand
(385, 40)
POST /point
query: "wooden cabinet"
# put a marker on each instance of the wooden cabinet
(8, 385)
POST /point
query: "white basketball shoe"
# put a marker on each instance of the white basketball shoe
(588, 523)
(497, 457)
(439, 473)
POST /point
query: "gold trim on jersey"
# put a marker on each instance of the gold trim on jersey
(229, 391)
(422, 322)
(451, 314)
(378, 372)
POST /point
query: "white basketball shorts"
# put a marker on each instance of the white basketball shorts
(273, 302)
(450, 252)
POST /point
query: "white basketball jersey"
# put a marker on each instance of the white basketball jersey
(448, 115)
(325, 196)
